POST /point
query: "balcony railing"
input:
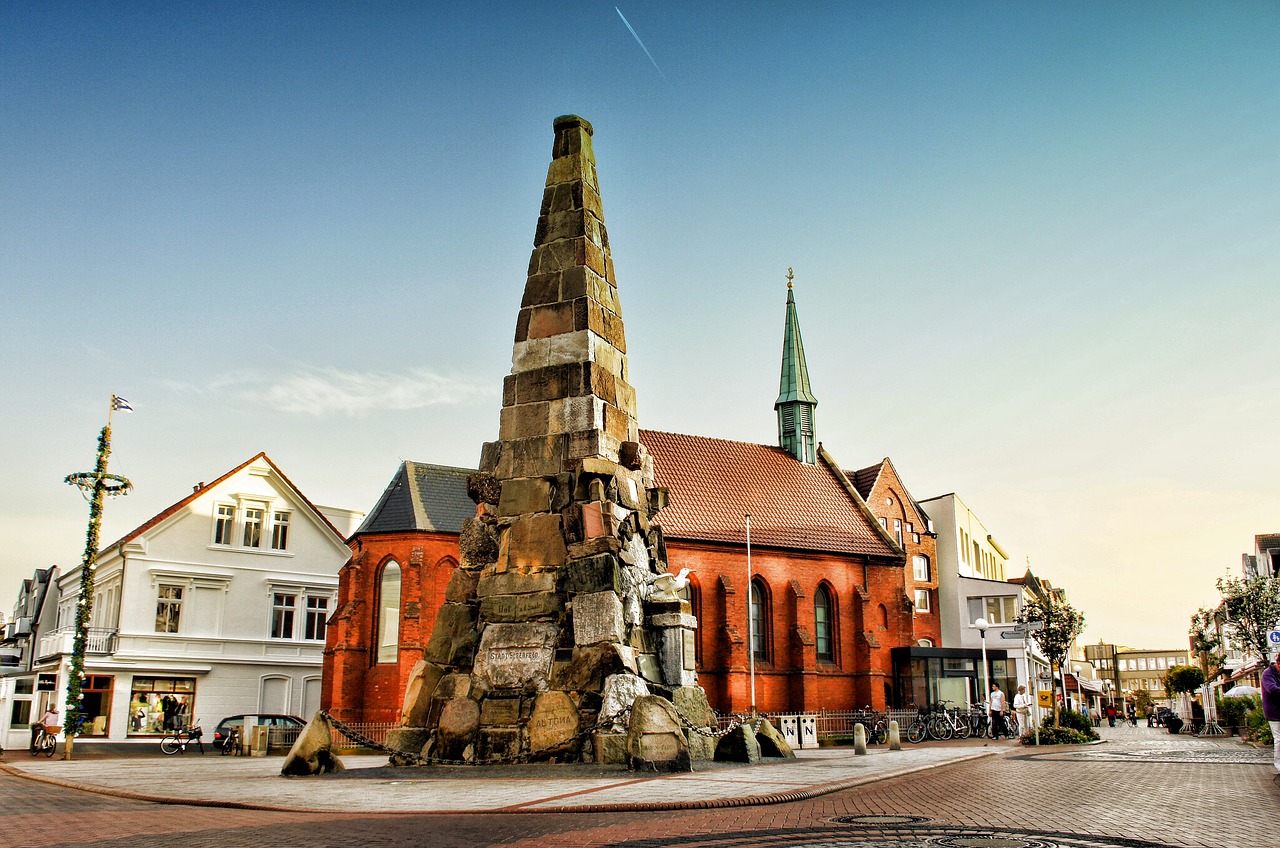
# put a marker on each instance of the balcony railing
(101, 641)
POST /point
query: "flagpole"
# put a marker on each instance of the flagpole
(751, 634)
(96, 485)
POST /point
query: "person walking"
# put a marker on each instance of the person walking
(1022, 706)
(997, 712)
(1271, 707)
(1111, 715)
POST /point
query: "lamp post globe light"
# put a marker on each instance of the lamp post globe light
(982, 626)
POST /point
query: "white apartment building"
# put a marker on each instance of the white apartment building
(215, 606)
(973, 585)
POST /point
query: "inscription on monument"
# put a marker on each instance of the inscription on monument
(659, 747)
(554, 720)
(500, 712)
(597, 617)
(520, 607)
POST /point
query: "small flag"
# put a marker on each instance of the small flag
(120, 403)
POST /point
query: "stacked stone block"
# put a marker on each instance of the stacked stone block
(562, 615)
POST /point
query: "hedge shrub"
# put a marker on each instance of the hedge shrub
(1259, 729)
(1050, 735)
(1077, 722)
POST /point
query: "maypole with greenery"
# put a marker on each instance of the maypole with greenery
(96, 486)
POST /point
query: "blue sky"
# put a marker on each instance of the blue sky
(1035, 249)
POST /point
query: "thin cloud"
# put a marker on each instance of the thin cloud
(325, 392)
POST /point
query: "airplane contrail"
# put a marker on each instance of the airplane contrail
(638, 41)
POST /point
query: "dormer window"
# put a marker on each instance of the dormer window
(245, 526)
(224, 524)
(279, 531)
(253, 527)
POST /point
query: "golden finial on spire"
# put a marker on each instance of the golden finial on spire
(790, 278)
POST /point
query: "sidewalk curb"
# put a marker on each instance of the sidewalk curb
(653, 806)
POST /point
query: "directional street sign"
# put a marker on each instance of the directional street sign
(1033, 626)
(1013, 633)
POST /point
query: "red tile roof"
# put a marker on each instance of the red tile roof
(714, 483)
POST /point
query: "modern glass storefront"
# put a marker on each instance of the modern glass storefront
(924, 676)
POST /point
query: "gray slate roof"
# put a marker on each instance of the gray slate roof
(424, 497)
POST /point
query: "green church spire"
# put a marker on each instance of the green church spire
(795, 403)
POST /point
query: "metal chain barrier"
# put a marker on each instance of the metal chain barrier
(735, 722)
(410, 758)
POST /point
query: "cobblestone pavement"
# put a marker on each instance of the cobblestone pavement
(1143, 790)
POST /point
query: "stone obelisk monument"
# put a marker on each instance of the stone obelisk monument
(563, 635)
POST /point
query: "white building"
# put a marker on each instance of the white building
(24, 694)
(972, 585)
(215, 606)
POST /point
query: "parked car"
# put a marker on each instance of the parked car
(260, 719)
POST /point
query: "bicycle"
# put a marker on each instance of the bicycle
(947, 723)
(876, 725)
(1011, 723)
(878, 731)
(46, 741)
(979, 723)
(231, 745)
(177, 742)
(918, 729)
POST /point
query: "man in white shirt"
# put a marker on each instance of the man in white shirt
(997, 712)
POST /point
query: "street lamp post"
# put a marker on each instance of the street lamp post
(982, 626)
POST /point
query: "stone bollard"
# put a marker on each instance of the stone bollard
(895, 738)
(859, 740)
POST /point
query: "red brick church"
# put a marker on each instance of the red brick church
(831, 585)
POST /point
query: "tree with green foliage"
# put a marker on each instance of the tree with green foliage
(1143, 702)
(1184, 679)
(1061, 624)
(1252, 611)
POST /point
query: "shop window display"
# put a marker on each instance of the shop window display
(161, 704)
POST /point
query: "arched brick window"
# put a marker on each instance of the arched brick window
(388, 636)
(693, 594)
(884, 616)
(760, 617)
(823, 631)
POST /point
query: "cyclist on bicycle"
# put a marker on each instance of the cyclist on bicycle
(49, 719)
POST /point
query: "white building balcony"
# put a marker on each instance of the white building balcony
(58, 642)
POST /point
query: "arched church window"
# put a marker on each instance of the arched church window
(822, 618)
(759, 620)
(388, 639)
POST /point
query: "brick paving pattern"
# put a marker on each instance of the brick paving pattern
(1212, 794)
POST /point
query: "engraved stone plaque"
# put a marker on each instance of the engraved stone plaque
(512, 655)
(597, 617)
(500, 712)
(520, 607)
(659, 747)
(554, 720)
